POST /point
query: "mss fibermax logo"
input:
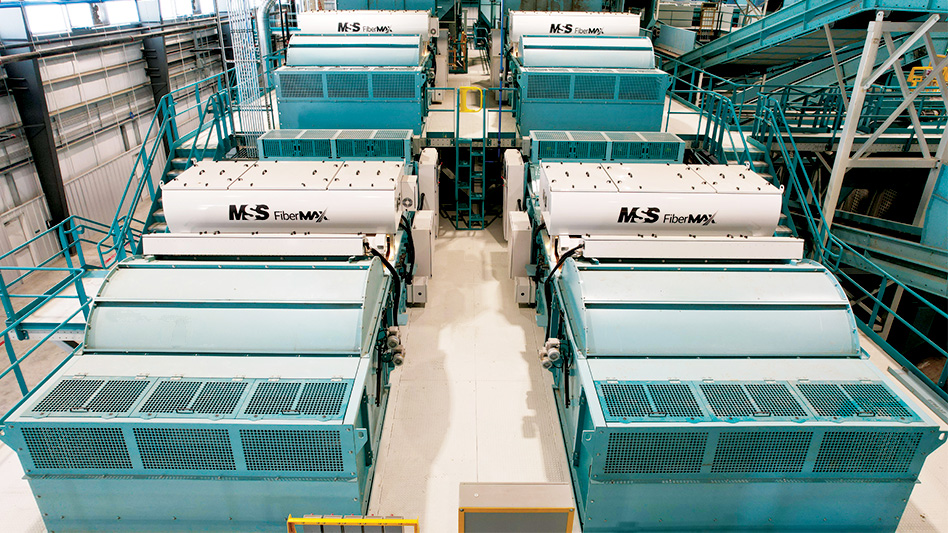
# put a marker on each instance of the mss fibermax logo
(651, 215)
(355, 27)
(262, 212)
(569, 29)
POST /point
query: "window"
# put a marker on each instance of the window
(47, 19)
(123, 12)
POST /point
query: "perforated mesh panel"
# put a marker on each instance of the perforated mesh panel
(763, 452)
(301, 84)
(116, 396)
(774, 399)
(347, 85)
(625, 400)
(393, 85)
(88, 447)
(68, 394)
(674, 399)
(653, 400)
(828, 399)
(655, 453)
(323, 399)
(640, 88)
(727, 400)
(292, 450)
(171, 396)
(184, 449)
(875, 398)
(867, 451)
(594, 87)
(219, 397)
(272, 398)
(554, 86)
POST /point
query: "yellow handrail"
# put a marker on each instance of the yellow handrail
(291, 522)
(462, 99)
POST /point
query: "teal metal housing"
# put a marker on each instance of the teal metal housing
(590, 99)
(351, 98)
(213, 396)
(320, 145)
(617, 146)
(726, 397)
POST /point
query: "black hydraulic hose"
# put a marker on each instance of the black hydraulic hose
(569, 253)
(533, 240)
(410, 251)
(421, 202)
(395, 278)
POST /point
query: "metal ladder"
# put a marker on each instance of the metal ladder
(470, 156)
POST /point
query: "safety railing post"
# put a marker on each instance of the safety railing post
(17, 371)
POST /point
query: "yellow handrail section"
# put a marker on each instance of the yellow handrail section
(291, 522)
(462, 99)
(917, 74)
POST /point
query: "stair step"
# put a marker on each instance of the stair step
(159, 215)
(174, 173)
(158, 227)
(179, 163)
(783, 231)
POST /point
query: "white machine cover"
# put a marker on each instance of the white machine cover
(570, 24)
(657, 199)
(285, 196)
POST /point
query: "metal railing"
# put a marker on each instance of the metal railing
(66, 268)
(809, 109)
(772, 129)
(163, 132)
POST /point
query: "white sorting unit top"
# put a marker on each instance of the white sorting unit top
(652, 177)
(288, 175)
(577, 177)
(368, 175)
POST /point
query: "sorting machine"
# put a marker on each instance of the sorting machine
(236, 372)
(563, 63)
(706, 375)
(344, 66)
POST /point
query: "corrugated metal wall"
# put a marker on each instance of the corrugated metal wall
(100, 105)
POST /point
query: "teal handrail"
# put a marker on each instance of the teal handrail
(829, 250)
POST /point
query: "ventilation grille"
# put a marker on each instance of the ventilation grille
(605, 146)
(655, 453)
(301, 85)
(82, 448)
(347, 85)
(184, 449)
(836, 400)
(216, 398)
(393, 86)
(867, 452)
(320, 85)
(79, 396)
(199, 450)
(292, 450)
(754, 399)
(323, 399)
(336, 144)
(602, 86)
(762, 452)
(632, 401)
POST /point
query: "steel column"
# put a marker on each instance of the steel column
(26, 84)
